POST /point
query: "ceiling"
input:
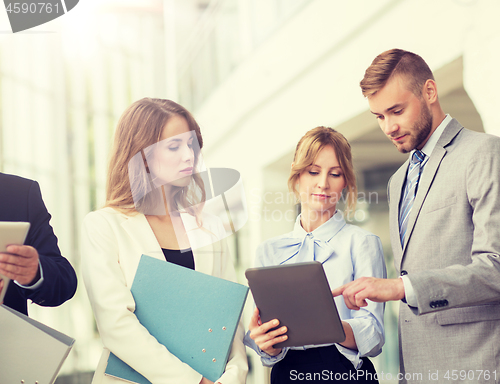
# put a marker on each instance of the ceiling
(371, 150)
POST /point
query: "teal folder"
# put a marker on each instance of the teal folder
(193, 314)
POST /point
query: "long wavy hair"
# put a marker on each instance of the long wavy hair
(129, 187)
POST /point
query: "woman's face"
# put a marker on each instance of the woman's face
(172, 159)
(321, 184)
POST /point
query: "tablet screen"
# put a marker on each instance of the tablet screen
(299, 296)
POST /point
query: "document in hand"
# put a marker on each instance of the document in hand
(11, 232)
(193, 314)
(31, 352)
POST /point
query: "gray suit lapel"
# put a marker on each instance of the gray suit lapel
(429, 173)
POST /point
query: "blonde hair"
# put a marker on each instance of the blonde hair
(396, 62)
(307, 151)
(139, 127)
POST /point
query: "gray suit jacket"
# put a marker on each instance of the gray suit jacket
(451, 256)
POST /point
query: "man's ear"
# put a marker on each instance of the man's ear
(429, 91)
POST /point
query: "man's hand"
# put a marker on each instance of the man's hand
(372, 288)
(262, 335)
(20, 263)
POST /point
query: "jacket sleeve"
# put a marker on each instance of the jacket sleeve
(368, 323)
(113, 306)
(237, 364)
(59, 278)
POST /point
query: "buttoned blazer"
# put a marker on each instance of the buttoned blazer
(451, 255)
(21, 200)
(112, 244)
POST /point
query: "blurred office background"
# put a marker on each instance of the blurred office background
(257, 74)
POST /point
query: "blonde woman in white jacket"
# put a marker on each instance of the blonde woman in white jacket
(151, 208)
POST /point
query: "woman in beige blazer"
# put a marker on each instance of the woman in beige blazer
(152, 207)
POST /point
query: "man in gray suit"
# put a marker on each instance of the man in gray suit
(444, 205)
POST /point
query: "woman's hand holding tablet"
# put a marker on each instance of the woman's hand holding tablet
(263, 338)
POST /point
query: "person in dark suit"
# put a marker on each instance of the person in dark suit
(37, 270)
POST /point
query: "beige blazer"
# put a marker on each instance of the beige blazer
(112, 244)
(451, 255)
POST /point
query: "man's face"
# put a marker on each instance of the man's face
(402, 116)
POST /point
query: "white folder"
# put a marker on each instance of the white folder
(30, 352)
(11, 232)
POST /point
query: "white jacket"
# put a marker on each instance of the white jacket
(112, 244)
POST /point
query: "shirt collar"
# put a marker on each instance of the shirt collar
(325, 232)
(431, 143)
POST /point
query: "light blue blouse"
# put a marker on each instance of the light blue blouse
(347, 252)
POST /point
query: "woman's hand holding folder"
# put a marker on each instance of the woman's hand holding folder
(204, 380)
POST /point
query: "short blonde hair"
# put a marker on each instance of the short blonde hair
(396, 62)
(307, 151)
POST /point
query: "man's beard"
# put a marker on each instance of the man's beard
(421, 129)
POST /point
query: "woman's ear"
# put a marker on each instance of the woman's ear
(292, 165)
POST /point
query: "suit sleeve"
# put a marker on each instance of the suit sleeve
(113, 306)
(478, 282)
(59, 283)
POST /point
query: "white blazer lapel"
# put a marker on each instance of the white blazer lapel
(203, 240)
(139, 230)
(203, 243)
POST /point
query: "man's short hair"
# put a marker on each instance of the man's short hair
(394, 62)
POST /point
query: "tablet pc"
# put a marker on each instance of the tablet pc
(299, 296)
(11, 232)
